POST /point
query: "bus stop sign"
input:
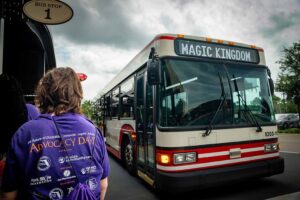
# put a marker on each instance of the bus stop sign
(48, 11)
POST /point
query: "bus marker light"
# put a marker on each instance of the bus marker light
(208, 39)
(231, 43)
(220, 41)
(163, 158)
(253, 46)
(180, 35)
(133, 136)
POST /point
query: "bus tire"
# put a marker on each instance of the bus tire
(128, 156)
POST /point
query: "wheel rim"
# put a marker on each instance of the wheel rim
(129, 155)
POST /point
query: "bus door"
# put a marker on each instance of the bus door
(144, 128)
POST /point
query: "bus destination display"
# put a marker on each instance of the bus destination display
(218, 51)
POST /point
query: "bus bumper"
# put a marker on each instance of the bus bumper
(184, 181)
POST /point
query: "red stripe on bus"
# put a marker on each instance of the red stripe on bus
(212, 159)
(218, 166)
(200, 150)
(227, 157)
(227, 148)
(113, 151)
(214, 154)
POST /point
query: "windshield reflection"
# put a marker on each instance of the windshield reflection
(193, 90)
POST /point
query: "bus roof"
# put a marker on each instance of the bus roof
(164, 46)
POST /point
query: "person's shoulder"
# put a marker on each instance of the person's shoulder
(29, 105)
(82, 118)
(31, 127)
(88, 123)
(33, 112)
(79, 121)
(38, 122)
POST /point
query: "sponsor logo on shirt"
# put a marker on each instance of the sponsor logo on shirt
(62, 160)
(70, 189)
(67, 173)
(44, 163)
(66, 178)
(92, 183)
(56, 194)
(41, 180)
(87, 170)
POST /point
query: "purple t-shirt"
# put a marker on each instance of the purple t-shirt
(38, 160)
(32, 111)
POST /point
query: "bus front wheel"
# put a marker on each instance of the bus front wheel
(128, 156)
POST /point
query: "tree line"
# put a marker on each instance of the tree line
(288, 81)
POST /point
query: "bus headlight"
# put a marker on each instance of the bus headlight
(180, 158)
(271, 147)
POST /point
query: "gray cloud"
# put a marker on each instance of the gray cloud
(104, 35)
(281, 22)
(102, 22)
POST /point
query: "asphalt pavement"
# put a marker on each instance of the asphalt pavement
(289, 143)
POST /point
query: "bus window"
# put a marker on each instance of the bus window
(101, 108)
(115, 103)
(250, 94)
(127, 99)
(107, 106)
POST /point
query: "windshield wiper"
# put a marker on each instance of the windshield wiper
(222, 99)
(247, 110)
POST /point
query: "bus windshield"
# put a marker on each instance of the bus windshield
(195, 92)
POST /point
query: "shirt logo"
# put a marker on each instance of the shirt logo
(44, 163)
(40, 180)
(67, 173)
(61, 160)
(70, 189)
(72, 158)
(92, 183)
(56, 194)
(86, 170)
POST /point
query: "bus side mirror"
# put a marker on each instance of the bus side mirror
(271, 83)
(154, 71)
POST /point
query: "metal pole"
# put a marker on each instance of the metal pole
(1, 44)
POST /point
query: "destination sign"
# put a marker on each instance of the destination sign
(185, 47)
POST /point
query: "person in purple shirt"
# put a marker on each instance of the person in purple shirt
(50, 155)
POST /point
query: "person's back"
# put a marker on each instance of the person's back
(47, 168)
(50, 155)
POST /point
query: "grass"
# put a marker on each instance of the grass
(290, 130)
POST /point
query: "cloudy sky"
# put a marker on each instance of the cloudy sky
(104, 35)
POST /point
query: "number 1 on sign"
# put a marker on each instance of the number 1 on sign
(48, 14)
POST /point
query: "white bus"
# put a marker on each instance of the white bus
(189, 111)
